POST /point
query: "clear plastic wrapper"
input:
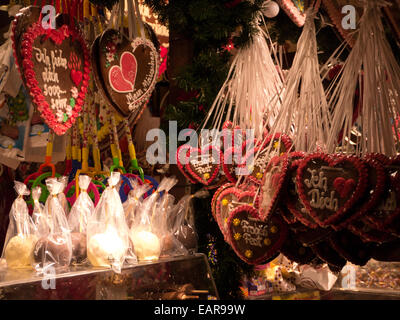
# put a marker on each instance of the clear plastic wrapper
(21, 233)
(55, 249)
(82, 209)
(107, 231)
(145, 233)
(39, 217)
(61, 196)
(182, 221)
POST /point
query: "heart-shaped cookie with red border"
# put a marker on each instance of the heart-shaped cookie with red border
(295, 251)
(253, 240)
(329, 255)
(329, 187)
(228, 201)
(204, 164)
(128, 71)
(351, 247)
(53, 62)
(272, 184)
(388, 208)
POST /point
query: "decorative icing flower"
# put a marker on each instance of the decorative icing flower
(68, 111)
(111, 48)
(60, 116)
(110, 57)
(74, 92)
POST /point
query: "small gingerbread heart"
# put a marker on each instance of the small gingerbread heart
(204, 164)
(228, 201)
(253, 240)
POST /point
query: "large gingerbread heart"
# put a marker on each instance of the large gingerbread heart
(228, 201)
(128, 71)
(204, 164)
(272, 184)
(253, 240)
(329, 187)
(56, 66)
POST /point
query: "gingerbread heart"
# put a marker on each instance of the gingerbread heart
(295, 251)
(253, 240)
(182, 158)
(388, 208)
(49, 56)
(309, 237)
(388, 252)
(351, 247)
(272, 184)
(317, 186)
(326, 253)
(228, 201)
(204, 164)
(127, 72)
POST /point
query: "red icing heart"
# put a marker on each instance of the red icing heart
(228, 200)
(76, 77)
(343, 186)
(117, 80)
(272, 183)
(315, 184)
(54, 105)
(253, 240)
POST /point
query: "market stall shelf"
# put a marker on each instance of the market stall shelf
(166, 279)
